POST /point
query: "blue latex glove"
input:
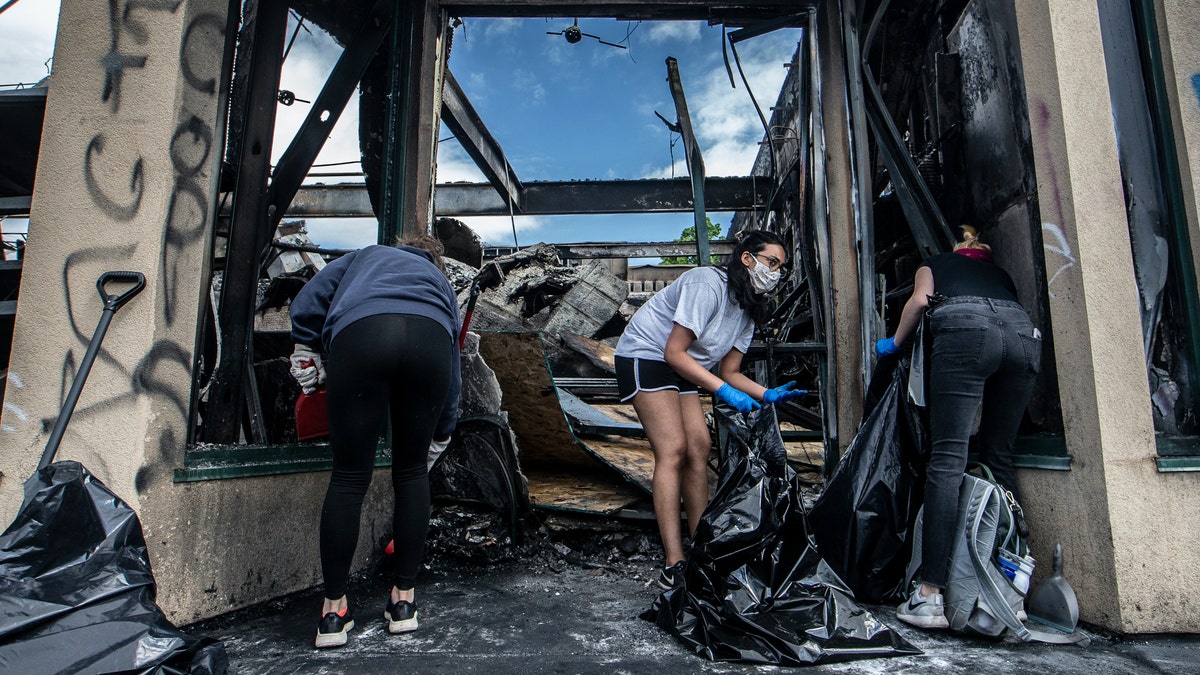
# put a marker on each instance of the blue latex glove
(886, 347)
(783, 393)
(740, 400)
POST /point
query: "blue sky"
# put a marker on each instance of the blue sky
(560, 111)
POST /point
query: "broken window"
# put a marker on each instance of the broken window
(1158, 230)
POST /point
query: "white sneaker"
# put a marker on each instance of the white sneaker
(923, 611)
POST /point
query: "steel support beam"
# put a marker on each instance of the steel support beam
(655, 249)
(844, 336)
(473, 135)
(393, 192)
(734, 14)
(297, 160)
(695, 161)
(668, 195)
(249, 233)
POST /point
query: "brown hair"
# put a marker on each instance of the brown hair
(429, 243)
(970, 239)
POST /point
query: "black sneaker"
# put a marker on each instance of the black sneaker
(670, 577)
(332, 630)
(401, 617)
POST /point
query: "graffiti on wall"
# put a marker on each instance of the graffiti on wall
(119, 186)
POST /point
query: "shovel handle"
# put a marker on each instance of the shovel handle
(114, 302)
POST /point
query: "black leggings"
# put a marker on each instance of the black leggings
(385, 364)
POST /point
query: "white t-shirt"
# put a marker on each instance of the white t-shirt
(698, 300)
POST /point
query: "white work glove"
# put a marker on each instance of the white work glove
(436, 448)
(307, 369)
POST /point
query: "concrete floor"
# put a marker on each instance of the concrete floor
(552, 609)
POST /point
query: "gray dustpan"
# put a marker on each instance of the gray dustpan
(1053, 602)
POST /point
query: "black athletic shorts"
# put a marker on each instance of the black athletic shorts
(634, 375)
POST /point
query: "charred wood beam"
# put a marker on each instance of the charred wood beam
(248, 234)
(473, 135)
(297, 160)
(663, 195)
(732, 14)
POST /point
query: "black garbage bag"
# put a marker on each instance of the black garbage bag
(754, 587)
(862, 522)
(76, 591)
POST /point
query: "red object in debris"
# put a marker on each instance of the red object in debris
(312, 416)
(390, 548)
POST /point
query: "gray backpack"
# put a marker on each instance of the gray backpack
(980, 598)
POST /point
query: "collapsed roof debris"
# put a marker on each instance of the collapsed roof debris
(531, 290)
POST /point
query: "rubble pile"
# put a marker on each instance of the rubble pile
(532, 291)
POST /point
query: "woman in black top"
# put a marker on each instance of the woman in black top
(985, 352)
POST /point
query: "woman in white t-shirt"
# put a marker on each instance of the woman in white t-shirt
(704, 319)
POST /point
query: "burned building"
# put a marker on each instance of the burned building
(1068, 133)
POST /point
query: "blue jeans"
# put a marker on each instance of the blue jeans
(984, 352)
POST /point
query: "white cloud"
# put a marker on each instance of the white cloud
(499, 29)
(723, 118)
(663, 32)
(498, 230)
(344, 233)
(27, 32)
(304, 73)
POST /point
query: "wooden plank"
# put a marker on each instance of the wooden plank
(575, 491)
(629, 456)
(599, 353)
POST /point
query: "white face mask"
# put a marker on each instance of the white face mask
(762, 278)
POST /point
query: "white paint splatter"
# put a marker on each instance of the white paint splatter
(16, 410)
(1061, 247)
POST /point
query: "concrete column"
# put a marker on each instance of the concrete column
(839, 185)
(1127, 529)
(125, 181)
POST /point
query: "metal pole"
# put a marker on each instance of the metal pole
(695, 162)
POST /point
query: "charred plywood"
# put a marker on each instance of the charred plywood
(542, 430)
(567, 491)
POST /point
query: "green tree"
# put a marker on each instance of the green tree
(689, 234)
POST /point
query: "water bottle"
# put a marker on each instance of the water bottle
(1009, 567)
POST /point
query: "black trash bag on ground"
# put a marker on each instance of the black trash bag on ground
(863, 520)
(76, 591)
(754, 588)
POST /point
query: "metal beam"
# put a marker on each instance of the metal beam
(296, 161)
(248, 234)
(665, 195)
(654, 249)
(473, 135)
(733, 14)
(695, 161)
